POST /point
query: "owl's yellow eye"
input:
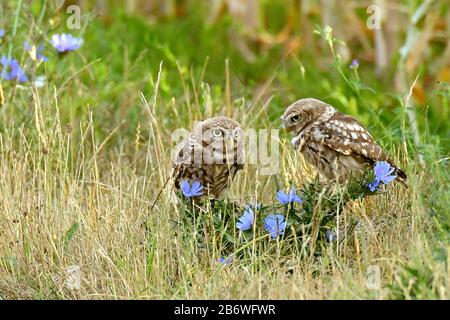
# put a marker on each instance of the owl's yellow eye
(217, 133)
(295, 118)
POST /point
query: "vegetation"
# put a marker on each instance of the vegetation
(86, 140)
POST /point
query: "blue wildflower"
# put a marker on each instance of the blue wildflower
(331, 236)
(383, 174)
(383, 171)
(374, 185)
(193, 190)
(2, 33)
(65, 42)
(35, 53)
(11, 70)
(275, 225)
(246, 220)
(224, 261)
(355, 64)
(284, 198)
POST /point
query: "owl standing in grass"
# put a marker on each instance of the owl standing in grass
(336, 144)
(207, 161)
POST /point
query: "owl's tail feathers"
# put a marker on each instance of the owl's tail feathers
(401, 175)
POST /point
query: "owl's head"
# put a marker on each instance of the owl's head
(219, 129)
(303, 112)
(221, 140)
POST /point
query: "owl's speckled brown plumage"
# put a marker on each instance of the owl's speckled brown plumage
(336, 144)
(211, 155)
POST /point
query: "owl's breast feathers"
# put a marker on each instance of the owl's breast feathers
(192, 161)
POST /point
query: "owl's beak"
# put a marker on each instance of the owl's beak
(287, 128)
(283, 123)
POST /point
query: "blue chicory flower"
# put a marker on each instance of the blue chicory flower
(11, 70)
(383, 175)
(284, 198)
(275, 225)
(374, 185)
(383, 171)
(2, 33)
(193, 190)
(35, 53)
(65, 42)
(246, 220)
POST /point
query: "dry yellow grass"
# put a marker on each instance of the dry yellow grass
(44, 193)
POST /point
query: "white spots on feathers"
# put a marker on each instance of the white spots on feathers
(319, 135)
(336, 128)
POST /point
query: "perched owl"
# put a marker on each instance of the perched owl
(336, 144)
(211, 155)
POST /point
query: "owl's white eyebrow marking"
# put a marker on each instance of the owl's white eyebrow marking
(354, 135)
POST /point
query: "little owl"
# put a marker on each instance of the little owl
(211, 155)
(336, 144)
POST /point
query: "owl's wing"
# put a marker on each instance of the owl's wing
(179, 157)
(183, 157)
(346, 135)
(183, 152)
